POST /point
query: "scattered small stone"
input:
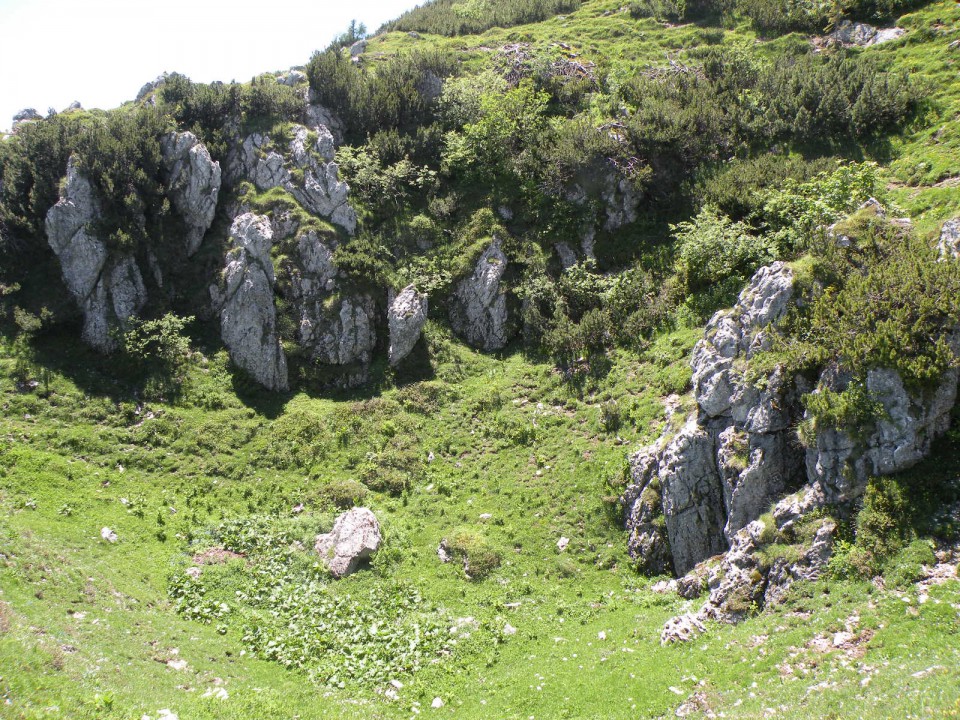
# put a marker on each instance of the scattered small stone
(108, 535)
(509, 629)
(486, 516)
(562, 543)
(177, 664)
(437, 703)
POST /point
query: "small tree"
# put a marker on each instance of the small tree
(355, 31)
(162, 350)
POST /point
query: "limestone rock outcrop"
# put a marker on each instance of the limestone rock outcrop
(863, 35)
(248, 320)
(949, 245)
(107, 287)
(735, 455)
(354, 539)
(647, 542)
(406, 315)
(478, 308)
(305, 169)
(193, 184)
(738, 455)
(336, 327)
(840, 462)
(342, 334)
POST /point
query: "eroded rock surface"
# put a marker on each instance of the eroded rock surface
(405, 317)
(863, 35)
(193, 184)
(354, 539)
(949, 245)
(735, 455)
(108, 288)
(840, 463)
(304, 168)
(248, 319)
(478, 308)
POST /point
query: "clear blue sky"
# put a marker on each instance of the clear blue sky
(101, 52)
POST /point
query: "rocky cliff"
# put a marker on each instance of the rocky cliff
(696, 496)
(106, 285)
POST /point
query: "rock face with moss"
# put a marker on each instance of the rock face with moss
(107, 286)
(647, 542)
(248, 320)
(841, 460)
(304, 167)
(734, 455)
(478, 308)
(193, 184)
(406, 314)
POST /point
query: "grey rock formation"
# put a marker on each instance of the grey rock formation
(346, 334)
(336, 327)
(306, 170)
(681, 629)
(735, 456)
(949, 245)
(478, 308)
(647, 542)
(840, 463)
(248, 321)
(741, 585)
(292, 78)
(358, 48)
(692, 497)
(406, 316)
(568, 258)
(354, 539)
(810, 566)
(319, 116)
(149, 88)
(863, 35)
(851, 33)
(887, 35)
(108, 289)
(621, 201)
(193, 184)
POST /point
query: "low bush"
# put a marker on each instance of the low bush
(479, 556)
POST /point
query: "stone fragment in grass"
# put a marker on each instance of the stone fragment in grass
(109, 535)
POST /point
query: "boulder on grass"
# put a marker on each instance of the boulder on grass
(355, 537)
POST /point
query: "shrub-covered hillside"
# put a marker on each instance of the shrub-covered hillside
(634, 325)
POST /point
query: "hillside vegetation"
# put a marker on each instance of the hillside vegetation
(635, 165)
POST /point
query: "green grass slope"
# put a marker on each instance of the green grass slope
(97, 629)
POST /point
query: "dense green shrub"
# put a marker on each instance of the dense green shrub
(479, 556)
(399, 93)
(883, 302)
(464, 17)
(662, 10)
(712, 248)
